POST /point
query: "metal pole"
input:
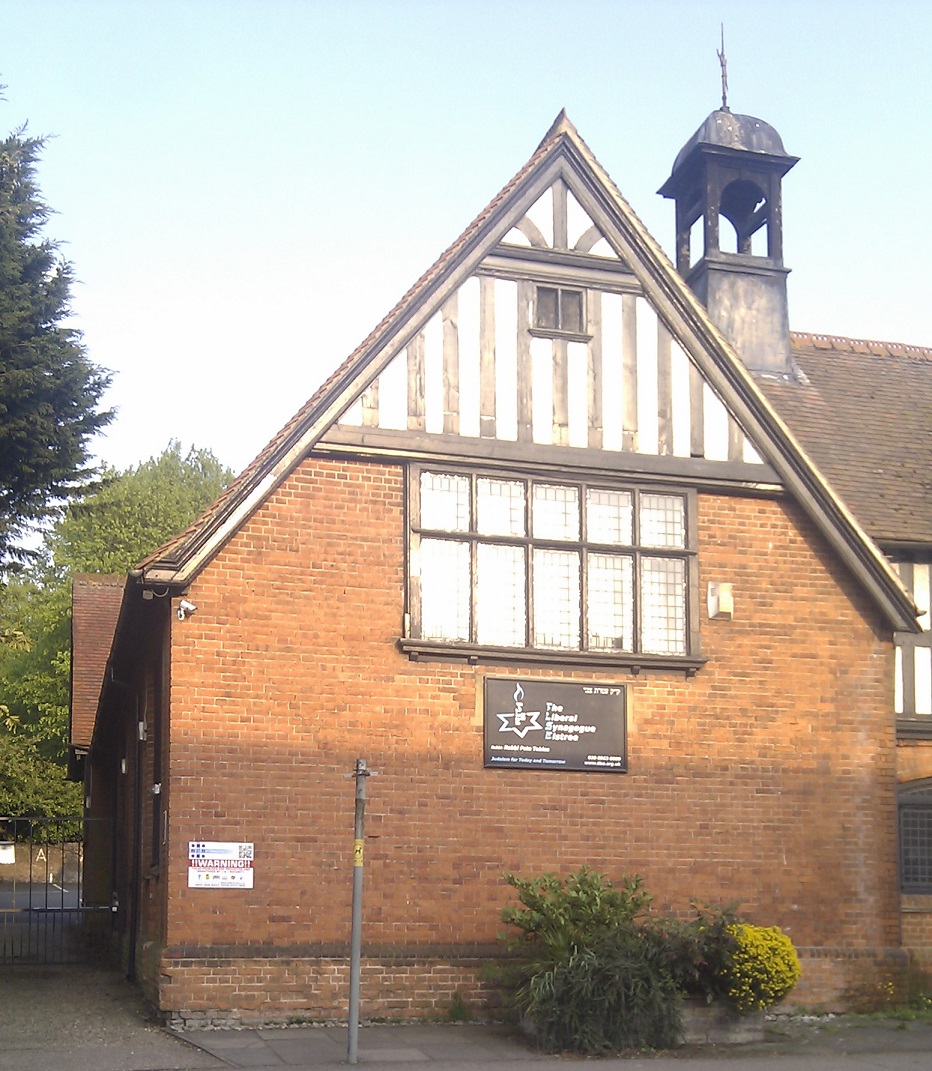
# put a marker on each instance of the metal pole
(356, 936)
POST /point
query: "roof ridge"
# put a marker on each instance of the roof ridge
(860, 345)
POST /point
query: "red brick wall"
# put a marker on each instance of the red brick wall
(768, 778)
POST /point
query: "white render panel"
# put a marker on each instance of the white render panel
(715, 431)
(516, 237)
(577, 220)
(506, 360)
(469, 357)
(541, 215)
(433, 374)
(352, 415)
(577, 357)
(611, 370)
(682, 422)
(750, 455)
(898, 699)
(648, 431)
(393, 395)
(542, 389)
(923, 680)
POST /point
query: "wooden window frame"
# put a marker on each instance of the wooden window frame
(431, 649)
(540, 330)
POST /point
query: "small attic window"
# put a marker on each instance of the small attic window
(559, 309)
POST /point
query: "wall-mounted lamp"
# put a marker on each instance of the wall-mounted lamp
(721, 602)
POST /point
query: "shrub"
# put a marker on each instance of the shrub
(616, 993)
(700, 950)
(592, 975)
(763, 966)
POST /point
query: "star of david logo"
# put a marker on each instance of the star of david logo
(519, 722)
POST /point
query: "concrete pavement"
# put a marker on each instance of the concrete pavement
(81, 1019)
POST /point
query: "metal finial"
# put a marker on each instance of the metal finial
(723, 63)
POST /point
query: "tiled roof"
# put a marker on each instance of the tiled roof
(863, 412)
(95, 606)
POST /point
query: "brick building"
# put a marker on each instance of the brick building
(593, 562)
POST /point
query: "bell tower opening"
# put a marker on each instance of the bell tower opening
(731, 169)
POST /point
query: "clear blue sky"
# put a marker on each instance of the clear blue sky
(244, 188)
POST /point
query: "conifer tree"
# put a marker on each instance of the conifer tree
(50, 392)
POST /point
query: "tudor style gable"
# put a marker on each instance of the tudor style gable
(552, 341)
(554, 336)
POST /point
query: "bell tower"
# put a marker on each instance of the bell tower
(731, 170)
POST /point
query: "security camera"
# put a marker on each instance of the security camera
(185, 609)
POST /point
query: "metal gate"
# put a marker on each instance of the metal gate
(44, 914)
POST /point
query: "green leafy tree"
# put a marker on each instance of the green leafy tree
(50, 392)
(33, 785)
(131, 514)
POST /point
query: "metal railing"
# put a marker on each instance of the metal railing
(44, 913)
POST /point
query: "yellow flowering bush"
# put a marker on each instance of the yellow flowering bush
(763, 966)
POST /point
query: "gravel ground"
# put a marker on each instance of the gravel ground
(83, 1019)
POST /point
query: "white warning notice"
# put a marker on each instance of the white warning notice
(220, 864)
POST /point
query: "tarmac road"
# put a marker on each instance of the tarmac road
(88, 1019)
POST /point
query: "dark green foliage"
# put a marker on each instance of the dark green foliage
(700, 950)
(32, 785)
(129, 516)
(613, 993)
(49, 391)
(558, 912)
(595, 971)
(591, 975)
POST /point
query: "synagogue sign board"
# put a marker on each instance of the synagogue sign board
(554, 725)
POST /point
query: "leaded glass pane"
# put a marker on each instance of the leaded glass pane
(501, 596)
(663, 606)
(444, 502)
(500, 507)
(916, 847)
(547, 307)
(571, 310)
(609, 516)
(556, 598)
(662, 521)
(555, 512)
(444, 589)
(610, 602)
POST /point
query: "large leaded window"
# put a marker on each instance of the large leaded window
(915, 811)
(550, 564)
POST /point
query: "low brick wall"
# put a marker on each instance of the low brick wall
(244, 990)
